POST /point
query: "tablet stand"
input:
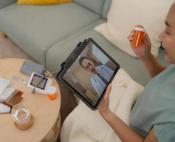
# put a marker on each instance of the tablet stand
(62, 67)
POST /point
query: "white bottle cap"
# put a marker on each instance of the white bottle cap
(139, 28)
(51, 90)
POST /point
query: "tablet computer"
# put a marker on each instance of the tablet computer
(88, 71)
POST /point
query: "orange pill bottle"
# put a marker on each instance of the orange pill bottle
(138, 37)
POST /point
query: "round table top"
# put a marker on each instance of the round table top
(45, 112)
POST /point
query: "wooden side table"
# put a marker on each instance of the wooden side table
(45, 112)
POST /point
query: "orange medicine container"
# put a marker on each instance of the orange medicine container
(138, 36)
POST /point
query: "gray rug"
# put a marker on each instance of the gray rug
(9, 50)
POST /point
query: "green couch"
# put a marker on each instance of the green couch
(50, 33)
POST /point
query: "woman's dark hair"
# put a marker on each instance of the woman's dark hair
(81, 60)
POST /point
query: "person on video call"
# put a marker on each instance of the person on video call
(101, 74)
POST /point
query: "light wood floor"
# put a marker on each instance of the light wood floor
(9, 50)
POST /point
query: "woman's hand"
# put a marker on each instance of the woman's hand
(104, 104)
(144, 51)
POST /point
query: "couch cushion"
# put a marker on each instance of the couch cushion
(94, 5)
(106, 7)
(4, 3)
(132, 65)
(36, 28)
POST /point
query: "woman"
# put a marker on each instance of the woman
(101, 74)
(152, 118)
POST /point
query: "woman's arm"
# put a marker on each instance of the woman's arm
(152, 66)
(125, 133)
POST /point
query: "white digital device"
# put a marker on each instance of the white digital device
(38, 83)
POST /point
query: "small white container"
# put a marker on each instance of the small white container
(51, 92)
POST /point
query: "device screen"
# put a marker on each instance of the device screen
(39, 81)
(91, 73)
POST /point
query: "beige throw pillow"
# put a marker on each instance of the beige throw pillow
(125, 14)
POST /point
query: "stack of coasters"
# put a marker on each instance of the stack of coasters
(17, 98)
(6, 106)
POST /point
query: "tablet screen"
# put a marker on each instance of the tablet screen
(91, 73)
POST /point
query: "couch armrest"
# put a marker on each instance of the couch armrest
(4, 3)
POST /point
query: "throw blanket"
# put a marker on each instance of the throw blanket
(85, 125)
